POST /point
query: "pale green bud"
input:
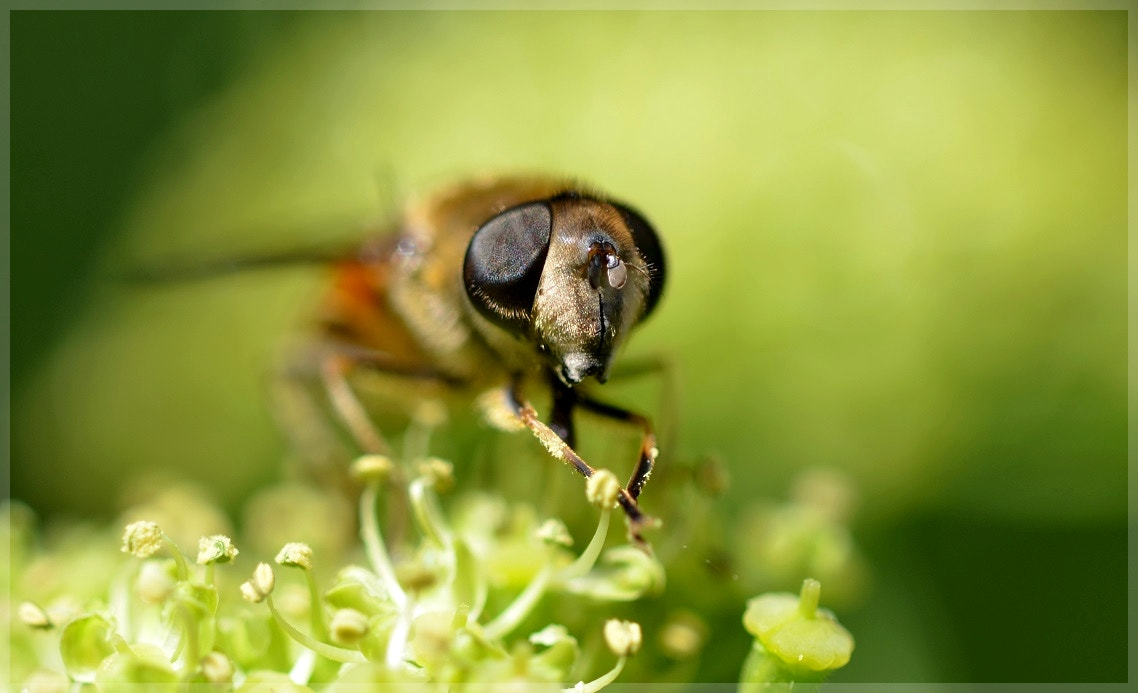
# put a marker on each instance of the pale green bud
(142, 539)
(216, 549)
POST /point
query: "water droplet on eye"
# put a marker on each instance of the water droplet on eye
(618, 274)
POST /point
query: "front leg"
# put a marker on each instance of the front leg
(648, 449)
(559, 448)
(561, 418)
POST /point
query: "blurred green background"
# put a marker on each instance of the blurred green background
(897, 247)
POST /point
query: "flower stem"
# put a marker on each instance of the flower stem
(428, 514)
(588, 557)
(599, 683)
(374, 546)
(316, 608)
(416, 440)
(189, 636)
(301, 671)
(398, 642)
(809, 597)
(516, 612)
(119, 643)
(332, 652)
(183, 570)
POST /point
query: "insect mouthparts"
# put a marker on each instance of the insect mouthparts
(577, 367)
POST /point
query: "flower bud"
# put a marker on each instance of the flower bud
(142, 539)
(372, 467)
(216, 668)
(32, 615)
(263, 578)
(796, 631)
(349, 626)
(554, 532)
(602, 489)
(684, 635)
(250, 593)
(216, 549)
(256, 588)
(623, 637)
(296, 555)
(438, 472)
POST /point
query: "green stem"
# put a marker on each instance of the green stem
(183, 570)
(597, 684)
(301, 672)
(316, 607)
(179, 646)
(416, 441)
(809, 597)
(374, 546)
(588, 557)
(121, 645)
(398, 642)
(190, 636)
(428, 514)
(338, 654)
(516, 612)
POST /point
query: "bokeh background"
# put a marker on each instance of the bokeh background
(897, 249)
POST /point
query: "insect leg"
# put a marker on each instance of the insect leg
(557, 447)
(648, 450)
(334, 370)
(663, 368)
(338, 362)
(301, 412)
(561, 418)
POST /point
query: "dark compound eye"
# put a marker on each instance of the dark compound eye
(648, 245)
(504, 263)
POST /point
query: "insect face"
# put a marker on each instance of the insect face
(571, 275)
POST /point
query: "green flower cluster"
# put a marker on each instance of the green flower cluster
(447, 612)
(477, 597)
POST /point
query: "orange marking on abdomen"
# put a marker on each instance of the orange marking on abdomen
(357, 310)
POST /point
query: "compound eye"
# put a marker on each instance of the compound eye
(504, 263)
(650, 251)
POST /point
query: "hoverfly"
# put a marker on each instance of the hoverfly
(500, 282)
(497, 283)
